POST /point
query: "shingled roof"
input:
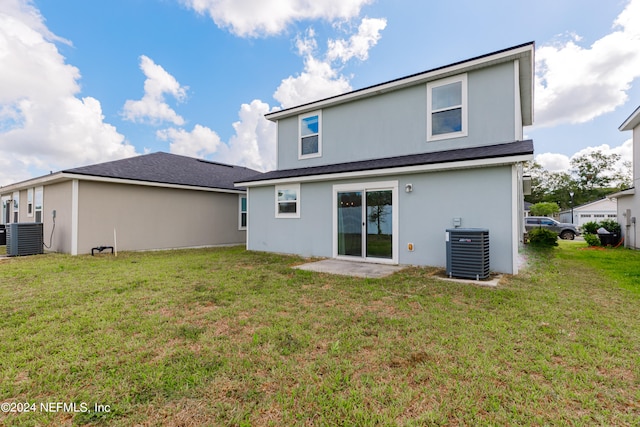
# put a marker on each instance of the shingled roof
(168, 168)
(517, 148)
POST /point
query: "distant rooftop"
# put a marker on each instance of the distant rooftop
(168, 168)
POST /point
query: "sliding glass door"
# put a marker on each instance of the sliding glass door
(350, 223)
(379, 220)
(365, 223)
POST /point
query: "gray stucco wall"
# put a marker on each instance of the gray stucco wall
(481, 197)
(629, 230)
(395, 123)
(57, 197)
(154, 217)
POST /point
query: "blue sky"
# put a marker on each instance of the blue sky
(86, 82)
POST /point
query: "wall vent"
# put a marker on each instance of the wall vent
(24, 238)
(468, 253)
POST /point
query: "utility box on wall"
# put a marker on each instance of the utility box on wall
(468, 253)
(24, 238)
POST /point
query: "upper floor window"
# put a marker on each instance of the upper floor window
(288, 201)
(310, 140)
(447, 108)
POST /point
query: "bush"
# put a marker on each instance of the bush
(544, 209)
(590, 227)
(611, 226)
(591, 239)
(543, 238)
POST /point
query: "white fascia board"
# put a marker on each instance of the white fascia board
(632, 121)
(403, 170)
(481, 62)
(64, 176)
(152, 184)
(34, 182)
(623, 193)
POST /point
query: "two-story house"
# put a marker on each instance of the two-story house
(629, 200)
(379, 174)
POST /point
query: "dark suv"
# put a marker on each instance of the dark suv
(564, 230)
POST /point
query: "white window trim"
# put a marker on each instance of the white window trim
(295, 187)
(300, 118)
(15, 211)
(465, 108)
(35, 203)
(364, 187)
(240, 197)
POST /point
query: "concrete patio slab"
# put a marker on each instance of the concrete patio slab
(350, 268)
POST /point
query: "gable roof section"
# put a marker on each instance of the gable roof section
(632, 121)
(524, 53)
(164, 168)
(500, 151)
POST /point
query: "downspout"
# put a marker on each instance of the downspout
(74, 217)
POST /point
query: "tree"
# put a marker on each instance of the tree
(594, 170)
(544, 209)
(592, 176)
(377, 202)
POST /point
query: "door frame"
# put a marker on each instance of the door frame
(364, 187)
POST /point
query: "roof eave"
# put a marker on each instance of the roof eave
(632, 121)
(398, 170)
(68, 176)
(524, 53)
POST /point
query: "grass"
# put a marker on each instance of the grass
(229, 337)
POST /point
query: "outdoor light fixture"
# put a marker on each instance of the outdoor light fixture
(571, 193)
(408, 188)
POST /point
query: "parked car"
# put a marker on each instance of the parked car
(565, 231)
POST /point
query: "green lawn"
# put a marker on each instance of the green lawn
(229, 337)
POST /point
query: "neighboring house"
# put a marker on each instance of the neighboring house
(629, 200)
(527, 208)
(379, 174)
(591, 212)
(153, 201)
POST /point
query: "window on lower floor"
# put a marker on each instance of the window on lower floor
(16, 206)
(288, 201)
(30, 202)
(38, 203)
(242, 220)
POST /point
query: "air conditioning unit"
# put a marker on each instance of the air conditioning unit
(24, 238)
(468, 253)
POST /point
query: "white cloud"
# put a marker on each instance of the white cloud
(553, 162)
(321, 77)
(576, 84)
(318, 80)
(359, 44)
(152, 107)
(200, 142)
(252, 18)
(254, 143)
(43, 124)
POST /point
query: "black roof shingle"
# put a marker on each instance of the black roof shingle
(510, 149)
(168, 168)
